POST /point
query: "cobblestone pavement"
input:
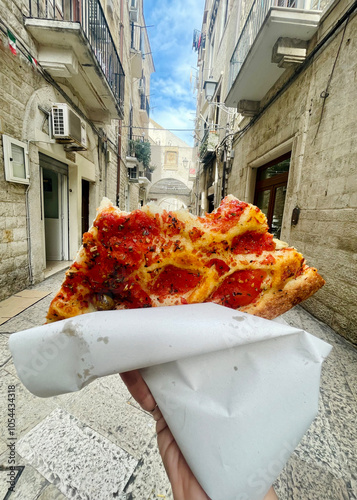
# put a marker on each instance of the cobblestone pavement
(98, 444)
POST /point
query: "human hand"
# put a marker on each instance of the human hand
(184, 484)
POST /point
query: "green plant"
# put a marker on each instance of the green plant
(142, 151)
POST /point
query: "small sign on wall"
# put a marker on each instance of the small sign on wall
(171, 158)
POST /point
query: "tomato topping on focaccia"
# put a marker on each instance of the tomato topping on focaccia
(150, 258)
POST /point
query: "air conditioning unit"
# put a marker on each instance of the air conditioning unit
(68, 128)
(133, 10)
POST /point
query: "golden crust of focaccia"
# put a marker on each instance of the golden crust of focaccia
(277, 301)
(151, 258)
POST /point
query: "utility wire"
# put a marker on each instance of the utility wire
(325, 93)
(168, 129)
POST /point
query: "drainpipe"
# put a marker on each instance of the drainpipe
(28, 235)
(105, 152)
(121, 30)
(119, 164)
(120, 130)
(99, 159)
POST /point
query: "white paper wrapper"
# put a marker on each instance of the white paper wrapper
(237, 391)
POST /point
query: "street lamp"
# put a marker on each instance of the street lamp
(184, 163)
(209, 87)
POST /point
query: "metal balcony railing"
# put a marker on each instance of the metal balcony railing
(146, 173)
(255, 19)
(135, 173)
(132, 144)
(89, 14)
(209, 142)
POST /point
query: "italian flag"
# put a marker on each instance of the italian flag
(12, 42)
(32, 61)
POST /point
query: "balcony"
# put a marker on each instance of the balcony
(131, 160)
(139, 174)
(139, 147)
(208, 145)
(145, 176)
(138, 157)
(76, 48)
(274, 36)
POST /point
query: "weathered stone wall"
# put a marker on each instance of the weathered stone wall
(17, 83)
(22, 91)
(13, 244)
(323, 172)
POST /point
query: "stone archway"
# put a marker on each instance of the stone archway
(171, 203)
(170, 188)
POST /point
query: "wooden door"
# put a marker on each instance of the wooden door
(270, 191)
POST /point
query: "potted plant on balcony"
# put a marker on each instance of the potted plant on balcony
(142, 151)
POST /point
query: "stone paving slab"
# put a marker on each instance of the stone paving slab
(104, 407)
(94, 467)
(3, 447)
(16, 324)
(324, 465)
(29, 411)
(19, 302)
(5, 354)
(30, 483)
(149, 480)
(299, 479)
(51, 493)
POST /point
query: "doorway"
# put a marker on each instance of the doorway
(270, 191)
(85, 206)
(210, 202)
(54, 176)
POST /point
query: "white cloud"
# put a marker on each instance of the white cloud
(171, 117)
(171, 42)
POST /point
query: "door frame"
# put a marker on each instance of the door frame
(48, 163)
(271, 184)
(85, 223)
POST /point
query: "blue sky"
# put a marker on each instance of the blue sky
(171, 98)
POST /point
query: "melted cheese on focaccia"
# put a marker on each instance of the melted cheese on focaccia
(150, 258)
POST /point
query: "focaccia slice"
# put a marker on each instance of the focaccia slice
(150, 258)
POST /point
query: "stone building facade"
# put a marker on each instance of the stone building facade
(173, 169)
(289, 145)
(74, 63)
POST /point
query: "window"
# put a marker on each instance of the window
(133, 173)
(142, 43)
(211, 56)
(224, 17)
(15, 160)
(131, 121)
(226, 12)
(270, 191)
(218, 100)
